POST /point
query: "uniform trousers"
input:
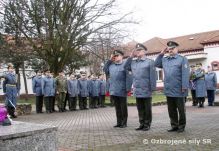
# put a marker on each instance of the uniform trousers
(102, 100)
(194, 99)
(61, 100)
(121, 109)
(39, 104)
(177, 112)
(82, 102)
(48, 101)
(94, 101)
(144, 111)
(211, 97)
(72, 103)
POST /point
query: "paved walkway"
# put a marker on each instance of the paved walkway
(93, 130)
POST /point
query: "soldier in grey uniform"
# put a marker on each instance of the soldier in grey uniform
(83, 91)
(119, 86)
(192, 85)
(37, 90)
(73, 91)
(11, 89)
(211, 85)
(144, 82)
(48, 90)
(102, 91)
(200, 85)
(176, 84)
(94, 90)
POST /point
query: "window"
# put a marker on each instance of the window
(159, 75)
(215, 65)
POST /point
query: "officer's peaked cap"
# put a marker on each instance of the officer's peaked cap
(140, 47)
(172, 44)
(118, 52)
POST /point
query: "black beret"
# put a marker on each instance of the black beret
(140, 47)
(172, 44)
(198, 64)
(118, 52)
(83, 73)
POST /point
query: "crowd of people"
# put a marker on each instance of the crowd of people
(72, 91)
(137, 73)
(202, 83)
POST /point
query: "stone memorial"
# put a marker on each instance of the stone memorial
(21, 136)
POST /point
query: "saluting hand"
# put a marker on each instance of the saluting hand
(132, 53)
(112, 58)
(164, 51)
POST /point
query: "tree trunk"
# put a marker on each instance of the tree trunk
(25, 81)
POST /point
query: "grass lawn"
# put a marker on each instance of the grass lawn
(156, 97)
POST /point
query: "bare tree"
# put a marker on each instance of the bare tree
(57, 29)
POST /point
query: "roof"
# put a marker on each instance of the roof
(186, 43)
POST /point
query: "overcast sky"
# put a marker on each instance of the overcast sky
(171, 18)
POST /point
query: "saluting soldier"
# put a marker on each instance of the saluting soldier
(200, 84)
(83, 91)
(94, 91)
(48, 90)
(119, 86)
(176, 83)
(73, 91)
(144, 82)
(11, 89)
(61, 90)
(102, 91)
(37, 90)
(211, 85)
(192, 85)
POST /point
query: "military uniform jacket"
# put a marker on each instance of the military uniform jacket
(120, 79)
(95, 88)
(48, 86)
(211, 81)
(200, 83)
(37, 85)
(102, 87)
(144, 76)
(73, 87)
(61, 84)
(83, 88)
(176, 74)
(10, 88)
(10, 79)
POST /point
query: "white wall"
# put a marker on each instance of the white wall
(213, 55)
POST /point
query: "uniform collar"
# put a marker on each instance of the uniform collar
(172, 57)
(118, 63)
(142, 58)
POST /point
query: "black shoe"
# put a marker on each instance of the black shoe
(13, 116)
(117, 125)
(123, 126)
(180, 130)
(146, 128)
(139, 128)
(173, 129)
